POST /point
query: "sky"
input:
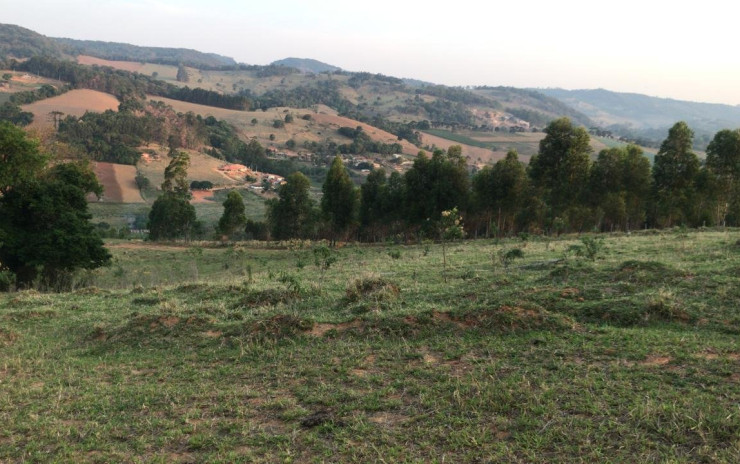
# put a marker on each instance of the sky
(674, 49)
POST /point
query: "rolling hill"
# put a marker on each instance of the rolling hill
(306, 65)
(648, 117)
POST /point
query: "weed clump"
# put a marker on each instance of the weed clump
(7, 337)
(645, 272)
(267, 297)
(278, 327)
(372, 287)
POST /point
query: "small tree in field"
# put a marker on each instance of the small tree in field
(450, 228)
(233, 218)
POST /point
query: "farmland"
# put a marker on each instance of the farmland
(73, 103)
(251, 353)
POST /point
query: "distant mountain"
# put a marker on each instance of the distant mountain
(19, 42)
(306, 65)
(648, 117)
(533, 106)
(126, 52)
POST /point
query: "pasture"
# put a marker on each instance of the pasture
(72, 103)
(581, 350)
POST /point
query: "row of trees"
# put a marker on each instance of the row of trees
(560, 190)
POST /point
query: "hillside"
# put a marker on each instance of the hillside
(19, 42)
(306, 65)
(648, 117)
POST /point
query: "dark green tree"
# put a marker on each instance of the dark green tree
(499, 191)
(674, 175)
(292, 215)
(45, 229)
(20, 157)
(559, 171)
(436, 184)
(723, 166)
(233, 219)
(339, 202)
(172, 216)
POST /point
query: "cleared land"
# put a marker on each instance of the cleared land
(322, 125)
(74, 102)
(243, 354)
(202, 167)
(132, 66)
(119, 184)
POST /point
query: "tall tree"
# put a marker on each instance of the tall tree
(172, 216)
(45, 229)
(233, 218)
(674, 174)
(435, 185)
(499, 191)
(560, 170)
(723, 166)
(291, 215)
(340, 199)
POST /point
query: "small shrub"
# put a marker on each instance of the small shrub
(372, 286)
(395, 254)
(506, 257)
(7, 281)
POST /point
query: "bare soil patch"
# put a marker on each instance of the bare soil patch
(119, 184)
(656, 360)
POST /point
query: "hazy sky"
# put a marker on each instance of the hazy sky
(678, 49)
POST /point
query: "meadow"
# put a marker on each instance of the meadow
(613, 348)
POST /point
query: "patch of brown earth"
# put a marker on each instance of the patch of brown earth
(387, 419)
(655, 360)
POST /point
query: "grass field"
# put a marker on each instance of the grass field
(250, 353)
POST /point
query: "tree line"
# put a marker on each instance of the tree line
(560, 190)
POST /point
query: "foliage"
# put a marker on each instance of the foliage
(291, 215)
(14, 113)
(340, 199)
(674, 177)
(233, 218)
(171, 217)
(560, 169)
(45, 225)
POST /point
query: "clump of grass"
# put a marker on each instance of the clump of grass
(509, 318)
(278, 327)
(7, 337)
(267, 297)
(664, 305)
(372, 287)
(645, 272)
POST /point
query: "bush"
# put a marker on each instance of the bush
(7, 281)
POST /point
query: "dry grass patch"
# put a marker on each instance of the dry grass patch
(72, 103)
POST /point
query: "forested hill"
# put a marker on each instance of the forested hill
(648, 117)
(127, 52)
(306, 65)
(19, 42)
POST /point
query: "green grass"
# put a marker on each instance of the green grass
(250, 353)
